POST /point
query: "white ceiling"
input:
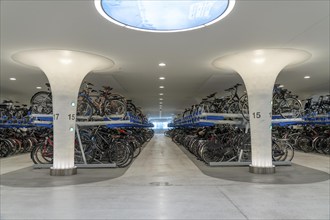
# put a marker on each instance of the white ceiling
(76, 25)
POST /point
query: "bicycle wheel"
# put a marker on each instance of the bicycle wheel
(136, 148)
(5, 148)
(317, 144)
(305, 144)
(290, 108)
(234, 108)
(120, 154)
(131, 108)
(33, 155)
(207, 107)
(325, 143)
(207, 155)
(278, 152)
(114, 107)
(43, 154)
(41, 103)
(244, 106)
(290, 152)
(84, 109)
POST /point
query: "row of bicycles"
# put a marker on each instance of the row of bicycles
(92, 104)
(284, 104)
(225, 143)
(307, 138)
(13, 110)
(19, 140)
(99, 145)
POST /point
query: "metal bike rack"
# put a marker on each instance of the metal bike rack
(211, 119)
(44, 120)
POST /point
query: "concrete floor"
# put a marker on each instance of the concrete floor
(162, 183)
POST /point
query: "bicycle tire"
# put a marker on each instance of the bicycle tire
(244, 106)
(290, 152)
(84, 109)
(5, 148)
(131, 108)
(317, 144)
(326, 145)
(114, 107)
(41, 103)
(290, 107)
(305, 144)
(233, 108)
(278, 153)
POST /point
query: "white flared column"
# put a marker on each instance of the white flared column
(65, 71)
(259, 70)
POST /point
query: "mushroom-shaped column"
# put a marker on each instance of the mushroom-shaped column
(259, 70)
(65, 71)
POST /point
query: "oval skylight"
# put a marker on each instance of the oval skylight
(162, 15)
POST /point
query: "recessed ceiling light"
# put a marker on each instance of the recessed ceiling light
(160, 103)
(160, 99)
(280, 86)
(161, 87)
(162, 64)
(38, 87)
(307, 77)
(12, 79)
(161, 78)
(161, 93)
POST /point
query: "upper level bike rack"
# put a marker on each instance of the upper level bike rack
(115, 122)
(15, 123)
(202, 119)
(210, 119)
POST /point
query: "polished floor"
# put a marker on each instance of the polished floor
(165, 183)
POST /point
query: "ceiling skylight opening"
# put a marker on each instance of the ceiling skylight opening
(164, 16)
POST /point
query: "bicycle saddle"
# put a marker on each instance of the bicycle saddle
(212, 95)
(107, 88)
